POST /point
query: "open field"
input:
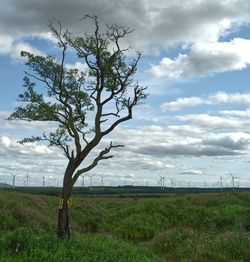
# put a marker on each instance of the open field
(194, 227)
(123, 191)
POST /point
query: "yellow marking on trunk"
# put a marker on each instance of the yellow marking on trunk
(60, 204)
(69, 202)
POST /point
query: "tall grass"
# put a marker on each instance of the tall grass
(23, 245)
(198, 227)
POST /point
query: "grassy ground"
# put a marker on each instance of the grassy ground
(199, 227)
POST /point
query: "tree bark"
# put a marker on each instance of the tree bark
(63, 222)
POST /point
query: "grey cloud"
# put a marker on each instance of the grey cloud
(181, 150)
(206, 63)
(36, 14)
(215, 122)
(190, 172)
(191, 21)
(228, 143)
(157, 23)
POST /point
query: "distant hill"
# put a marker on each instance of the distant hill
(4, 184)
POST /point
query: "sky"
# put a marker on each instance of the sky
(195, 125)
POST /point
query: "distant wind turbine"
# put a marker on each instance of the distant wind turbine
(162, 182)
(233, 178)
(44, 181)
(83, 179)
(27, 177)
(221, 180)
(13, 179)
(102, 177)
(90, 180)
(172, 182)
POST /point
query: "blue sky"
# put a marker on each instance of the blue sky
(195, 125)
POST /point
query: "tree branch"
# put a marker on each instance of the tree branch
(102, 155)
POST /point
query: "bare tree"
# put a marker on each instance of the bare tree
(104, 95)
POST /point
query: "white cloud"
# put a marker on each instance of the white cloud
(10, 46)
(206, 58)
(182, 102)
(169, 68)
(217, 98)
(236, 113)
(33, 148)
(5, 44)
(233, 98)
(213, 122)
(11, 147)
(6, 141)
(16, 49)
(81, 67)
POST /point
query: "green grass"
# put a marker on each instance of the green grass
(23, 245)
(197, 227)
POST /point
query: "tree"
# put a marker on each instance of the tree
(105, 95)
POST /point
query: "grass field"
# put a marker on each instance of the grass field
(193, 227)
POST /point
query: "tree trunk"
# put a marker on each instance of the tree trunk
(63, 223)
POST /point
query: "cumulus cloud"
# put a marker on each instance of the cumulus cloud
(149, 150)
(217, 98)
(206, 58)
(10, 46)
(233, 98)
(191, 171)
(186, 150)
(6, 142)
(234, 141)
(168, 142)
(182, 102)
(158, 24)
(236, 113)
(214, 122)
(196, 25)
(11, 147)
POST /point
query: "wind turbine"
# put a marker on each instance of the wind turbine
(90, 180)
(172, 182)
(102, 177)
(83, 177)
(233, 177)
(44, 181)
(54, 181)
(27, 179)
(13, 179)
(162, 182)
(221, 180)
